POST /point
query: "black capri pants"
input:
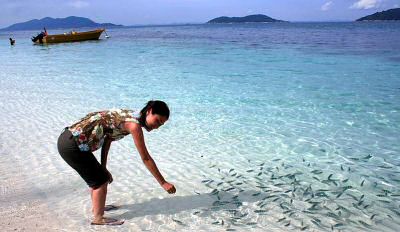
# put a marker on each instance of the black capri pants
(84, 162)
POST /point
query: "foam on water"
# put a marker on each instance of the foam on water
(269, 127)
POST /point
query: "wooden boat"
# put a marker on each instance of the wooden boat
(72, 36)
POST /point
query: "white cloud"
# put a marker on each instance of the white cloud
(395, 5)
(78, 4)
(326, 6)
(365, 4)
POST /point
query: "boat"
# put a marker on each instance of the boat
(73, 36)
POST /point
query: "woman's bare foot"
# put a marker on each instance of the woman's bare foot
(107, 222)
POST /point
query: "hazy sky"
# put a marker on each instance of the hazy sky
(134, 12)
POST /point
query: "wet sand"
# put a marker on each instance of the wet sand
(22, 207)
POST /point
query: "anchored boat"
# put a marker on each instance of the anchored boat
(73, 36)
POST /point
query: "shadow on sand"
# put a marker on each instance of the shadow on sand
(176, 204)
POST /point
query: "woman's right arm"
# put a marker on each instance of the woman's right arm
(137, 134)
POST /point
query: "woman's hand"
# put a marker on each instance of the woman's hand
(170, 188)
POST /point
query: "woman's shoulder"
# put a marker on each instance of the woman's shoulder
(129, 112)
(117, 114)
(120, 111)
(130, 115)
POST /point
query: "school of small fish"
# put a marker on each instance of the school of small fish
(305, 197)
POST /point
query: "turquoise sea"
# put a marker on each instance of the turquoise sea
(286, 126)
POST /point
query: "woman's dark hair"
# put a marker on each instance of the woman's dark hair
(157, 107)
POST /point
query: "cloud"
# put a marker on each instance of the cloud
(326, 6)
(78, 4)
(395, 5)
(365, 4)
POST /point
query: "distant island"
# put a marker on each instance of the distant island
(258, 18)
(392, 14)
(57, 23)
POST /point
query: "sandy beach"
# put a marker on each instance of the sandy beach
(22, 207)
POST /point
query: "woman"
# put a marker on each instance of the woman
(99, 129)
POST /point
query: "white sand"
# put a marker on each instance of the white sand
(23, 209)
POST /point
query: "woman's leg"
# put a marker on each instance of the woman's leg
(86, 164)
(98, 201)
(106, 207)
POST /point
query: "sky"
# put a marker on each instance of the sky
(145, 12)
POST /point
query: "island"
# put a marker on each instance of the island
(258, 18)
(58, 23)
(392, 14)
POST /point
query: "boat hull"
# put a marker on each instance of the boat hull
(71, 37)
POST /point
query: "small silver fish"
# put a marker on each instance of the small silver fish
(251, 223)
(260, 211)
(364, 223)
(281, 219)
(304, 228)
(369, 156)
(316, 171)
(177, 221)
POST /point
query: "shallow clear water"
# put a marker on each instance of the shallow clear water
(286, 126)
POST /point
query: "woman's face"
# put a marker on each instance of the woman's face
(154, 121)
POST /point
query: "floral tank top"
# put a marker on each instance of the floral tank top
(91, 131)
